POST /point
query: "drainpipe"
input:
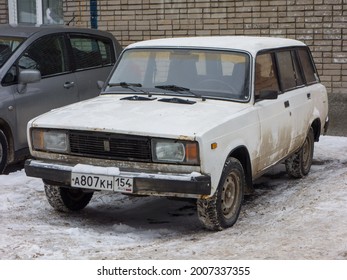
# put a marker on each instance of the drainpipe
(94, 14)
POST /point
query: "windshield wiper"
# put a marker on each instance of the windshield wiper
(180, 90)
(124, 84)
(138, 98)
(177, 100)
(133, 86)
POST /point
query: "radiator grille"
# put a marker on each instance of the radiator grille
(110, 146)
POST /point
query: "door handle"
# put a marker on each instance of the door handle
(286, 104)
(309, 95)
(68, 85)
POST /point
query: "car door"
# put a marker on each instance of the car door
(300, 104)
(94, 58)
(274, 114)
(56, 88)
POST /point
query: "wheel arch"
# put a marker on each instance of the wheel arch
(316, 126)
(5, 128)
(242, 155)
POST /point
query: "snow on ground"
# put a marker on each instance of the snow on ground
(284, 219)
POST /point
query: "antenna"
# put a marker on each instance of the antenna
(71, 20)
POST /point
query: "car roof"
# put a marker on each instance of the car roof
(246, 43)
(28, 30)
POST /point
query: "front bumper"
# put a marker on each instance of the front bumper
(145, 183)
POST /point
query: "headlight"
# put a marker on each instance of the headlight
(49, 140)
(171, 151)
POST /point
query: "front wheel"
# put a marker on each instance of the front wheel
(3, 152)
(222, 209)
(65, 199)
(299, 164)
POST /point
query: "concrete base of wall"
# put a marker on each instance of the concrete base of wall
(337, 115)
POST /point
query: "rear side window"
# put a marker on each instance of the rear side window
(307, 66)
(289, 70)
(91, 52)
(48, 55)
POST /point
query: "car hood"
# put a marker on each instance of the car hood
(151, 117)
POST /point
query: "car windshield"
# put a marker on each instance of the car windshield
(7, 46)
(196, 73)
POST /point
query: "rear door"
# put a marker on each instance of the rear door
(56, 88)
(93, 58)
(300, 103)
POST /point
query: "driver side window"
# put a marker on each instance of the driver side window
(265, 76)
(46, 55)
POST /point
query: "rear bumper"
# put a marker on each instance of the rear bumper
(326, 125)
(145, 183)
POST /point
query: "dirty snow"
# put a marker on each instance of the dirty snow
(284, 219)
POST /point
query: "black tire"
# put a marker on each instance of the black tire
(222, 209)
(299, 164)
(3, 152)
(65, 199)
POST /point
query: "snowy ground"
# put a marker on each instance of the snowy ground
(285, 219)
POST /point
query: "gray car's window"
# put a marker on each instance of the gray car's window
(91, 52)
(7, 46)
(48, 55)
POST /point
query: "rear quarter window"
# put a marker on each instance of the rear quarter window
(91, 52)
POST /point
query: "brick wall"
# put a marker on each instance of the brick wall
(3, 11)
(321, 24)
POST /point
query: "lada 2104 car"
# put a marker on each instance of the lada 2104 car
(194, 118)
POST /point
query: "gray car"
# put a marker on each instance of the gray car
(46, 67)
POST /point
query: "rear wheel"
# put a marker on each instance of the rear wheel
(222, 209)
(65, 199)
(3, 152)
(299, 164)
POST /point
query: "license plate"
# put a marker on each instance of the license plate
(102, 182)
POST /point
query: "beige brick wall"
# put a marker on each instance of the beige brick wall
(3, 11)
(322, 24)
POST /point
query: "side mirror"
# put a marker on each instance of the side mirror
(27, 77)
(266, 95)
(100, 84)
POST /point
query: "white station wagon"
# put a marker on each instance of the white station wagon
(186, 117)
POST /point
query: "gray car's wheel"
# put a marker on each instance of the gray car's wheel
(3, 152)
(222, 209)
(65, 199)
(299, 164)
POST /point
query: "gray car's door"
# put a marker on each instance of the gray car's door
(56, 88)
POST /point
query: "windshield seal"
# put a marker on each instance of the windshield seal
(141, 66)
